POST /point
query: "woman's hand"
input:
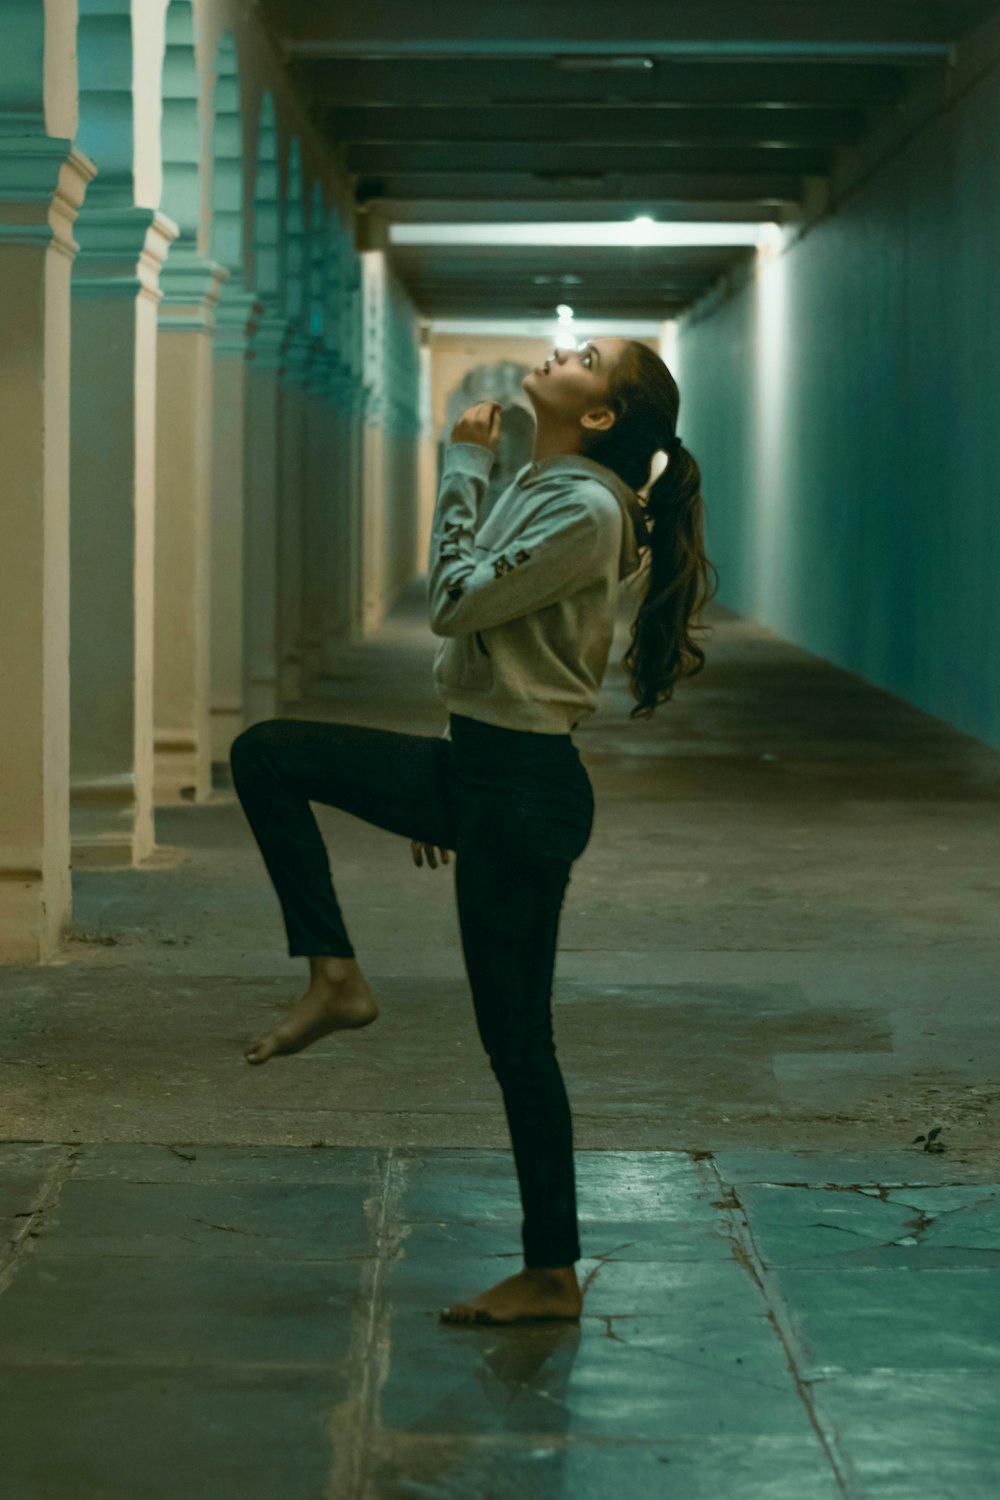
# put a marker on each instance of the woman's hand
(419, 850)
(480, 424)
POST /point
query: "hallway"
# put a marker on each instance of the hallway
(733, 267)
(777, 968)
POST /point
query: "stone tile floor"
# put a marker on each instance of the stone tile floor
(180, 1321)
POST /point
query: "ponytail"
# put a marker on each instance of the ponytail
(679, 577)
(662, 645)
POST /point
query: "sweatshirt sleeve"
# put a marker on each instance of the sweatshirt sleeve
(467, 590)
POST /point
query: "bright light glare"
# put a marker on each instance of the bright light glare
(771, 239)
(641, 230)
(669, 344)
(564, 337)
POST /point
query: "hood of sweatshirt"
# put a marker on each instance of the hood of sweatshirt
(634, 533)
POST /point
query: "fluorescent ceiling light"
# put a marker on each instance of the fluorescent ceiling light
(601, 64)
(643, 231)
(542, 328)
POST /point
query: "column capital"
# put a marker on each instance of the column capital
(342, 386)
(299, 353)
(233, 317)
(43, 180)
(191, 285)
(370, 405)
(318, 369)
(122, 251)
(268, 331)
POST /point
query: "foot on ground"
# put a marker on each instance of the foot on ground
(328, 1005)
(532, 1295)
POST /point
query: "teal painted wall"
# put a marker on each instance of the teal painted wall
(845, 409)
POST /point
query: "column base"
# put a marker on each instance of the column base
(291, 678)
(29, 928)
(337, 645)
(108, 827)
(261, 699)
(227, 723)
(182, 771)
(312, 663)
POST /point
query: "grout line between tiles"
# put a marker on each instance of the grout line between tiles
(17, 1248)
(746, 1253)
(354, 1423)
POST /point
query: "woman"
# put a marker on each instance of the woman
(525, 605)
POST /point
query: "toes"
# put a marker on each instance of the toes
(456, 1314)
(465, 1312)
(260, 1051)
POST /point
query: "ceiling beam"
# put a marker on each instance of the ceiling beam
(489, 156)
(477, 82)
(773, 186)
(482, 260)
(638, 306)
(598, 210)
(521, 279)
(878, 29)
(591, 295)
(636, 125)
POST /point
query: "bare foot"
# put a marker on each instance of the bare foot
(339, 998)
(530, 1296)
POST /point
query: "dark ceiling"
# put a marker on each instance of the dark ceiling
(552, 110)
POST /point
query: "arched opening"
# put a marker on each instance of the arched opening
(293, 243)
(180, 132)
(336, 323)
(266, 208)
(316, 244)
(227, 162)
(119, 68)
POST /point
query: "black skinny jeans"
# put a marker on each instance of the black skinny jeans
(517, 808)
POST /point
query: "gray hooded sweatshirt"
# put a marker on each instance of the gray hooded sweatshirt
(527, 602)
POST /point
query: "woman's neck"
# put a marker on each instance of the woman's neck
(550, 442)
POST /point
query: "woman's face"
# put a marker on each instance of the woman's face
(572, 382)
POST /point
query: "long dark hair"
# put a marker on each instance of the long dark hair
(644, 397)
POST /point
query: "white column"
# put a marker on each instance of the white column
(229, 367)
(191, 288)
(318, 490)
(42, 185)
(359, 403)
(115, 293)
(292, 505)
(260, 539)
(336, 521)
(373, 486)
(343, 581)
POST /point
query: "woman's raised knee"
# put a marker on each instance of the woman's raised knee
(260, 738)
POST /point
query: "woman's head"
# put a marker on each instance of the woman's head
(617, 403)
(569, 391)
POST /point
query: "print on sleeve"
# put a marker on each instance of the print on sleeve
(451, 546)
(503, 564)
